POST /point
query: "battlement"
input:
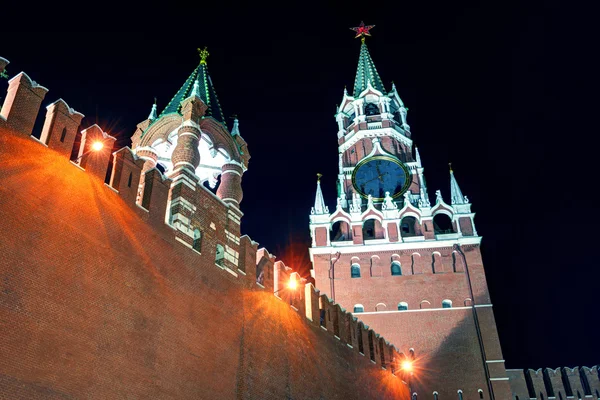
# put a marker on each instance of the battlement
(184, 247)
(560, 383)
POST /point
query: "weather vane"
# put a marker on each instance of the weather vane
(203, 55)
(319, 177)
(362, 30)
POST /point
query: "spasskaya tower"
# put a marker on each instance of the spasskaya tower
(406, 266)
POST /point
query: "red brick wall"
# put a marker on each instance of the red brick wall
(98, 300)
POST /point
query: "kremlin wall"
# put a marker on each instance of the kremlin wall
(102, 296)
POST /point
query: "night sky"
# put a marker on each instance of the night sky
(486, 90)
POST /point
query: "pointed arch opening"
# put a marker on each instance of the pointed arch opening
(409, 227)
(442, 224)
(340, 232)
(372, 229)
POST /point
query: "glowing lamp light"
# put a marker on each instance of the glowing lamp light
(292, 284)
(97, 146)
(407, 366)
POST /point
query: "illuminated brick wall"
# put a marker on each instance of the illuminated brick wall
(100, 298)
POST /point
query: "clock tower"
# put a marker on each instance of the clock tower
(407, 267)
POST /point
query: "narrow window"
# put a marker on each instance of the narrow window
(414, 396)
(542, 396)
(396, 269)
(361, 346)
(516, 397)
(566, 383)
(435, 396)
(480, 394)
(197, 244)
(584, 383)
(129, 180)
(402, 306)
(371, 346)
(220, 255)
(63, 134)
(359, 308)
(355, 271)
(447, 304)
(578, 395)
(560, 396)
(460, 396)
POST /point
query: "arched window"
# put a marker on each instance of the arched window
(407, 227)
(435, 396)
(355, 271)
(447, 304)
(380, 307)
(402, 306)
(63, 134)
(442, 224)
(396, 268)
(480, 393)
(161, 168)
(414, 396)
(358, 308)
(197, 244)
(129, 179)
(560, 396)
(220, 255)
(542, 396)
(460, 394)
(579, 395)
(371, 109)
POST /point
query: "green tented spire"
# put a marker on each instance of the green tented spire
(206, 91)
(366, 72)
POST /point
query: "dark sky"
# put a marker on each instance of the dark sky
(486, 86)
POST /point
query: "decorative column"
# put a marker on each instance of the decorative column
(230, 189)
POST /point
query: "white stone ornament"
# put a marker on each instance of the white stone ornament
(438, 196)
(355, 207)
(388, 202)
(423, 200)
(369, 201)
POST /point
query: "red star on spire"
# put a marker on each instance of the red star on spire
(362, 30)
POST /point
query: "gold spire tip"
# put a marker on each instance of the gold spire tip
(450, 165)
(319, 177)
(203, 53)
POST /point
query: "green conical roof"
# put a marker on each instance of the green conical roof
(366, 72)
(207, 93)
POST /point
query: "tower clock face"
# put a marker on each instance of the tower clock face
(379, 174)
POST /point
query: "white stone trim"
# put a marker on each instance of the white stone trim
(393, 246)
(231, 171)
(499, 379)
(494, 361)
(416, 310)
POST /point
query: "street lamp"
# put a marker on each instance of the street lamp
(292, 285)
(96, 146)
